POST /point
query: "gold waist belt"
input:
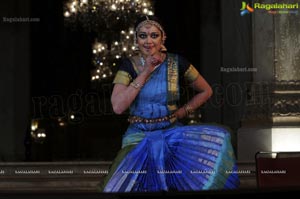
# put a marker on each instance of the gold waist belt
(135, 119)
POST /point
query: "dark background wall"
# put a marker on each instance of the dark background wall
(45, 74)
(14, 80)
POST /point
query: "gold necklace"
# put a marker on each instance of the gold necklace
(143, 61)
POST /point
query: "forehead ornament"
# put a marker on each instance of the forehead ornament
(154, 23)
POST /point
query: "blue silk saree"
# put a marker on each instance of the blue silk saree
(166, 155)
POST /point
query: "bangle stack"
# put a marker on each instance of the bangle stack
(136, 85)
(188, 109)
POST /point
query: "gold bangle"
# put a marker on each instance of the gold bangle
(136, 85)
(188, 109)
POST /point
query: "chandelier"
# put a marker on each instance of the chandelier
(105, 60)
(112, 21)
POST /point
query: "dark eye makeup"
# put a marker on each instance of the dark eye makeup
(153, 35)
(142, 35)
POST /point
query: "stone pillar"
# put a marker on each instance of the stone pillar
(286, 107)
(273, 109)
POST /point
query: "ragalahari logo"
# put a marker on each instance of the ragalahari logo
(246, 9)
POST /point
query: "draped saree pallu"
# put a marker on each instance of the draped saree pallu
(166, 155)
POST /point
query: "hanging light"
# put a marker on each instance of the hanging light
(102, 15)
(105, 59)
(37, 133)
(112, 20)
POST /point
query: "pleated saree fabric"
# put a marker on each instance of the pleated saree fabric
(166, 155)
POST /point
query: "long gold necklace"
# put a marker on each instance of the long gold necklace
(143, 61)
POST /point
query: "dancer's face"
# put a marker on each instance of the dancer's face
(149, 39)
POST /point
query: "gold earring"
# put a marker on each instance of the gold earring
(163, 48)
(136, 46)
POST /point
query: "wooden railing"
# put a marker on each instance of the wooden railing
(74, 176)
(52, 176)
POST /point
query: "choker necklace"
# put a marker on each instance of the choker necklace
(142, 60)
